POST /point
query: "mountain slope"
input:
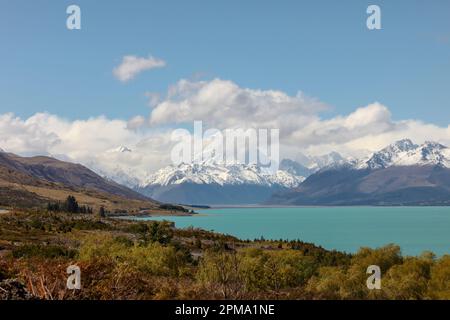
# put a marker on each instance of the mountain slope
(36, 180)
(66, 173)
(295, 168)
(400, 174)
(213, 183)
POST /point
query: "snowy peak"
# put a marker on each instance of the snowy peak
(402, 145)
(406, 153)
(387, 156)
(120, 149)
(237, 174)
(295, 168)
(327, 160)
(316, 163)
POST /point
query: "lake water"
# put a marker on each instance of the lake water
(415, 229)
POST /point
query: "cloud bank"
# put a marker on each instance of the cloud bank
(219, 104)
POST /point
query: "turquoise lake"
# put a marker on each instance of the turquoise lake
(415, 229)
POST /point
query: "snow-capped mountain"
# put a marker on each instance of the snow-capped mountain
(327, 160)
(406, 153)
(220, 174)
(313, 164)
(120, 149)
(117, 169)
(128, 178)
(213, 182)
(403, 173)
(216, 183)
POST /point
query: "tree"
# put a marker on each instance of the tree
(71, 205)
(53, 207)
(439, 285)
(102, 212)
(408, 280)
(220, 271)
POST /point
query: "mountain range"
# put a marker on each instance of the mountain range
(403, 173)
(214, 183)
(211, 182)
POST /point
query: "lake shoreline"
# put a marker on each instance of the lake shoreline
(314, 206)
(415, 229)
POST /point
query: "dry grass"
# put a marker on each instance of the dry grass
(35, 195)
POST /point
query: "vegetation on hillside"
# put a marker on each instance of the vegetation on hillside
(153, 260)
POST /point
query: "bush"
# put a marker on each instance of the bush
(408, 280)
(349, 281)
(220, 272)
(44, 251)
(439, 285)
(275, 270)
(152, 231)
(152, 258)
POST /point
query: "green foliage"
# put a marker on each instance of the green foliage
(44, 251)
(275, 270)
(221, 271)
(102, 212)
(153, 258)
(254, 270)
(171, 207)
(439, 285)
(408, 280)
(80, 224)
(70, 205)
(154, 231)
(402, 278)
(384, 257)
(37, 224)
(327, 284)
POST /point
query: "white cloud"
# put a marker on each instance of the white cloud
(131, 66)
(220, 104)
(85, 141)
(223, 104)
(136, 122)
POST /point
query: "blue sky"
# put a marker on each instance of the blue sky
(322, 48)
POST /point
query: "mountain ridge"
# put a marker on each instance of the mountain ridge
(403, 173)
(214, 183)
(40, 179)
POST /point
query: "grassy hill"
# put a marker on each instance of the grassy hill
(35, 181)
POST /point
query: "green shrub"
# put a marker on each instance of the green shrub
(439, 285)
(44, 251)
(152, 258)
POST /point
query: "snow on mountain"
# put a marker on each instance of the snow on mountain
(316, 163)
(117, 169)
(290, 175)
(120, 149)
(220, 174)
(295, 168)
(406, 153)
(400, 153)
(327, 160)
(124, 177)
